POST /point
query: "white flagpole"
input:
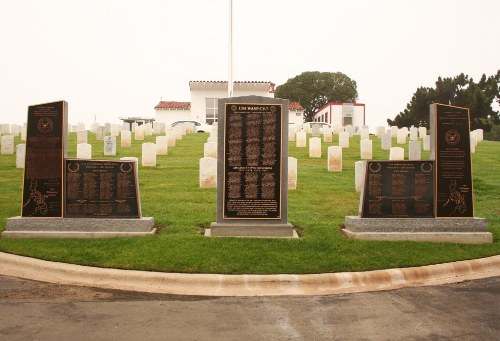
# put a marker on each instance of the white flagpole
(230, 52)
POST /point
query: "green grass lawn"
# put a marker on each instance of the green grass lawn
(182, 210)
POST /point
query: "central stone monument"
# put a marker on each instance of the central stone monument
(252, 170)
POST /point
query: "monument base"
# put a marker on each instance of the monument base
(21, 227)
(438, 230)
(251, 230)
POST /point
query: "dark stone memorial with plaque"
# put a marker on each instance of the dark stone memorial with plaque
(424, 200)
(252, 172)
(398, 189)
(66, 198)
(450, 147)
(46, 140)
(101, 188)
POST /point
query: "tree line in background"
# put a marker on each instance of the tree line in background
(460, 91)
(314, 89)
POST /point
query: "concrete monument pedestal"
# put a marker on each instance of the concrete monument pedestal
(251, 230)
(438, 230)
(22, 227)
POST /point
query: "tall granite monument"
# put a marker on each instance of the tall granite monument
(46, 141)
(252, 170)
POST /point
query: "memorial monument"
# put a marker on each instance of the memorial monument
(252, 170)
(429, 200)
(73, 198)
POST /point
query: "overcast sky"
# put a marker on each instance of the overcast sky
(110, 59)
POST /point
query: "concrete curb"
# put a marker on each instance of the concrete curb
(247, 285)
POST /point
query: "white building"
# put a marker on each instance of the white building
(204, 99)
(341, 114)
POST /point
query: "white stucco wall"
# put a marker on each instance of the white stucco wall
(170, 116)
(332, 113)
(198, 96)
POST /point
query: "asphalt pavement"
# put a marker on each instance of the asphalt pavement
(31, 310)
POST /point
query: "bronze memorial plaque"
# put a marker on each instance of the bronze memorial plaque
(398, 189)
(451, 141)
(101, 188)
(252, 161)
(46, 138)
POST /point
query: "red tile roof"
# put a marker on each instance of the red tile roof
(295, 106)
(171, 105)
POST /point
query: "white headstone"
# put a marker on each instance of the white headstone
(291, 133)
(307, 127)
(24, 131)
(208, 172)
(156, 129)
(365, 133)
(359, 174)
(344, 139)
(80, 126)
(115, 129)
(422, 131)
(315, 127)
(386, 142)
(473, 143)
(93, 127)
(100, 133)
(473, 134)
(210, 150)
(84, 151)
(402, 134)
(300, 139)
(337, 128)
(415, 150)
(171, 137)
(292, 173)
(366, 149)
(148, 129)
(327, 134)
(315, 147)
(350, 130)
(397, 153)
(394, 131)
(179, 131)
(161, 145)
(480, 135)
(7, 144)
(413, 134)
(335, 159)
(148, 154)
(109, 145)
(15, 130)
(379, 131)
(126, 139)
(139, 133)
(81, 137)
(20, 155)
(5, 129)
(107, 128)
(427, 143)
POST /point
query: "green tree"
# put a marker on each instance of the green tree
(314, 89)
(459, 91)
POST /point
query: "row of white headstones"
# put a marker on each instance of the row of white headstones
(299, 133)
(208, 164)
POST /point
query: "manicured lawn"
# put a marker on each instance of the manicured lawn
(181, 210)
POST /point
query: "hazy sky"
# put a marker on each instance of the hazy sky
(119, 58)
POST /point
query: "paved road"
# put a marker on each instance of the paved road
(39, 311)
